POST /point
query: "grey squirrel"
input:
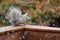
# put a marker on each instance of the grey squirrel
(15, 16)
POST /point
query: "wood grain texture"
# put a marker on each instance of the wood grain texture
(34, 35)
(12, 36)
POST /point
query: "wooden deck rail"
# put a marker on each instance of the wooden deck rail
(29, 28)
(42, 33)
(10, 29)
(33, 32)
(42, 28)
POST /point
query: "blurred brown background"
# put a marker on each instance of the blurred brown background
(42, 12)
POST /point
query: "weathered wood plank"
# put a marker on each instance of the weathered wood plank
(29, 27)
(42, 28)
(10, 29)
